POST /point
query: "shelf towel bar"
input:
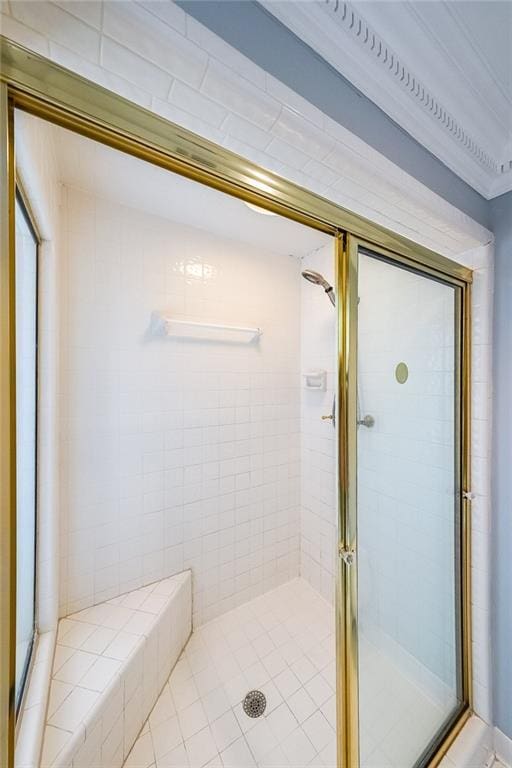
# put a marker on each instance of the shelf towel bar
(196, 329)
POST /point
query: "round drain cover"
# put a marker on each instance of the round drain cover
(255, 704)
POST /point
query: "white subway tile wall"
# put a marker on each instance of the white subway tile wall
(319, 508)
(175, 453)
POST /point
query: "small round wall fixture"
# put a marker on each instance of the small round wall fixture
(401, 373)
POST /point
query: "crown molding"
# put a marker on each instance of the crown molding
(337, 31)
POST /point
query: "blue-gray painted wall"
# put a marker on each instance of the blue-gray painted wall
(501, 223)
(263, 39)
(249, 28)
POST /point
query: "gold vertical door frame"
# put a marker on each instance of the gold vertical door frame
(7, 436)
(464, 385)
(346, 603)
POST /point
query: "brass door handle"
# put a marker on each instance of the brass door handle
(332, 416)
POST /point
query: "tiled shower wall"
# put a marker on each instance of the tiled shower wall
(175, 454)
(318, 446)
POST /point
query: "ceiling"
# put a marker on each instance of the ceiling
(442, 70)
(113, 175)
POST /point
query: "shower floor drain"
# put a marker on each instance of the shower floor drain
(255, 704)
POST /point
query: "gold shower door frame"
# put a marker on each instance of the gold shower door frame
(36, 85)
(348, 644)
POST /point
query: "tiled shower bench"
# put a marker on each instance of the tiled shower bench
(111, 662)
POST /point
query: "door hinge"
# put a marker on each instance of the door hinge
(347, 555)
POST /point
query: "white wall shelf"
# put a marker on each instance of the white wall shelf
(194, 329)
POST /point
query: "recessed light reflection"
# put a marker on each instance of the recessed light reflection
(259, 210)
(196, 270)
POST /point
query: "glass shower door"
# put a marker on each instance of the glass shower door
(26, 434)
(409, 566)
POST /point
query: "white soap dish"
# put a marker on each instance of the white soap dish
(315, 379)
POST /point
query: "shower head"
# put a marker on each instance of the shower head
(317, 279)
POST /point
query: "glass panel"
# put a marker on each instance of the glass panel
(196, 432)
(26, 337)
(407, 519)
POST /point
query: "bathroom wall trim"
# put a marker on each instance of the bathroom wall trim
(47, 90)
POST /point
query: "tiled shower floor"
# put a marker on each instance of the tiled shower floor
(281, 643)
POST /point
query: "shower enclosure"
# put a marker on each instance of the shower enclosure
(392, 550)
